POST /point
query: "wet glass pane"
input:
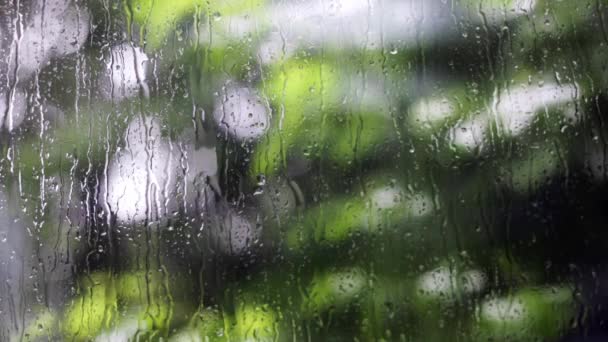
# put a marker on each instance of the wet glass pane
(303, 170)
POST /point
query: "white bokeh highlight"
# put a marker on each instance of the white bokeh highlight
(151, 178)
(242, 113)
(519, 107)
(125, 73)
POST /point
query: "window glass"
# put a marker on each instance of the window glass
(303, 170)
